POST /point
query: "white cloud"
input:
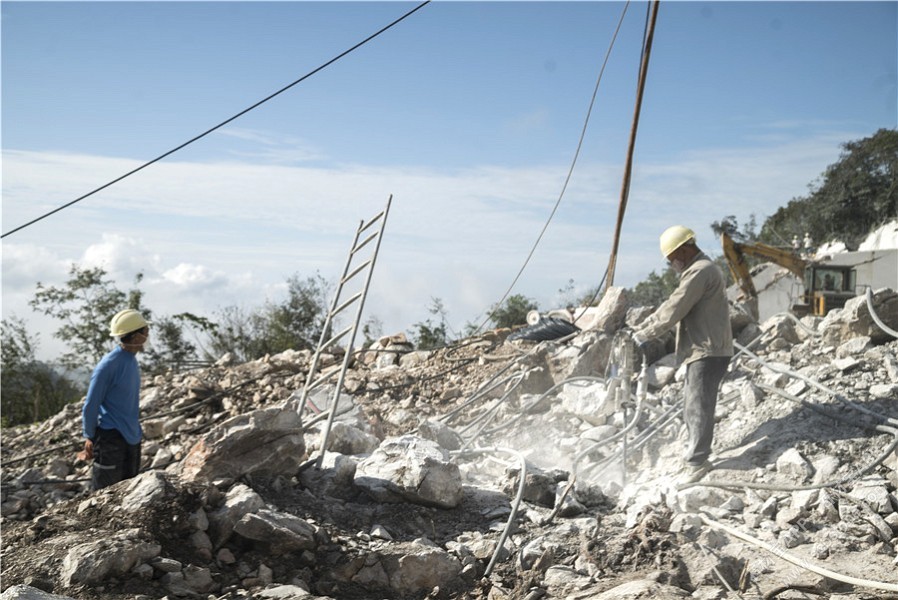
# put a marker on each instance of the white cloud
(120, 256)
(209, 235)
(26, 264)
(191, 276)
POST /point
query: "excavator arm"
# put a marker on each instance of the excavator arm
(735, 254)
(825, 286)
(738, 265)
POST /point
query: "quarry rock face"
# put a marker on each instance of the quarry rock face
(419, 492)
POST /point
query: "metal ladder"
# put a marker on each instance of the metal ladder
(338, 306)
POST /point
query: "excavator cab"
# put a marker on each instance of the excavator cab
(828, 287)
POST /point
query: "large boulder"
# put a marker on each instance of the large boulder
(267, 442)
(409, 468)
(855, 320)
(146, 490)
(609, 315)
(240, 500)
(26, 592)
(586, 355)
(346, 439)
(406, 568)
(283, 531)
(112, 556)
(442, 434)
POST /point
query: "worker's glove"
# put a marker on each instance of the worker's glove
(640, 341)
(87, 454)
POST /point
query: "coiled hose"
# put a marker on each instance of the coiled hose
(875, 316)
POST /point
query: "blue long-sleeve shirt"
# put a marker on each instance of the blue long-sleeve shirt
(113, 398)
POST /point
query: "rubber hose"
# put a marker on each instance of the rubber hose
(800, 562)
(515, 505)
(876, 318)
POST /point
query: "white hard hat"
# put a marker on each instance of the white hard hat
(126, 321)
(674, 237)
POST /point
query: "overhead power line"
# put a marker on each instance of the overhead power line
(220, 125)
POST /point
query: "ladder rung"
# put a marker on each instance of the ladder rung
(365, 242)
(333, 340)
(325, 375)
(356, 271)
(373, 220)
(347, 303)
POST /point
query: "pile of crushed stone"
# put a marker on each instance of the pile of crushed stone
(419, 493)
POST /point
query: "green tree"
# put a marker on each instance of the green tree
(855, 195)
(169, 347)
(236, 331)
(298, 321)
(513, 311)
(569, 297)
(84, 306)
(31, 390)
(428, 334)
(372, 329)
(295, 323)
(730, 226)
(654, 289)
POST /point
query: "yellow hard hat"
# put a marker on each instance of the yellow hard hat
(126, 321)
(674, 237)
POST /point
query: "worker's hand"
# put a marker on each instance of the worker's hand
(87, 454)
(640, 341)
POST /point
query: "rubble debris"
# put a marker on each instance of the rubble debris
(230, 507)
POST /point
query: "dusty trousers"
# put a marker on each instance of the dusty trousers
(114, 458)
(703, 378)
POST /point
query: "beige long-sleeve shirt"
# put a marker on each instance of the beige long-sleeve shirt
(699, 309)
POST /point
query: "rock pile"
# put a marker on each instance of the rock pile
(420, 490)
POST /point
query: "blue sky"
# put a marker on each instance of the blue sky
(468, 113)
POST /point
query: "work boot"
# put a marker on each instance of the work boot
(691, 473)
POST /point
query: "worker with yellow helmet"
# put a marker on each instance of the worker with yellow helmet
(699, 310)
(110, 415)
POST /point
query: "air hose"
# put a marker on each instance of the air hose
(517, 501)
(869, 467)
(778, 550)
(876, 318)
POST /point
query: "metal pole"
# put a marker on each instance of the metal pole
(310, 376)
(625, 187)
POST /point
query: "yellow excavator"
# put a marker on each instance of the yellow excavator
(825, 286)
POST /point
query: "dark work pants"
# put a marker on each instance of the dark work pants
(114, 458)
(703, 379)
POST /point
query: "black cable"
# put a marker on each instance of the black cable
(220, 125)
(569, 173)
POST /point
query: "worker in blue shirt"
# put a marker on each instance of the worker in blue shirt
(110, 416)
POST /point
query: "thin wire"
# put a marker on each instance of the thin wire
(569, 173)
(220, 125)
